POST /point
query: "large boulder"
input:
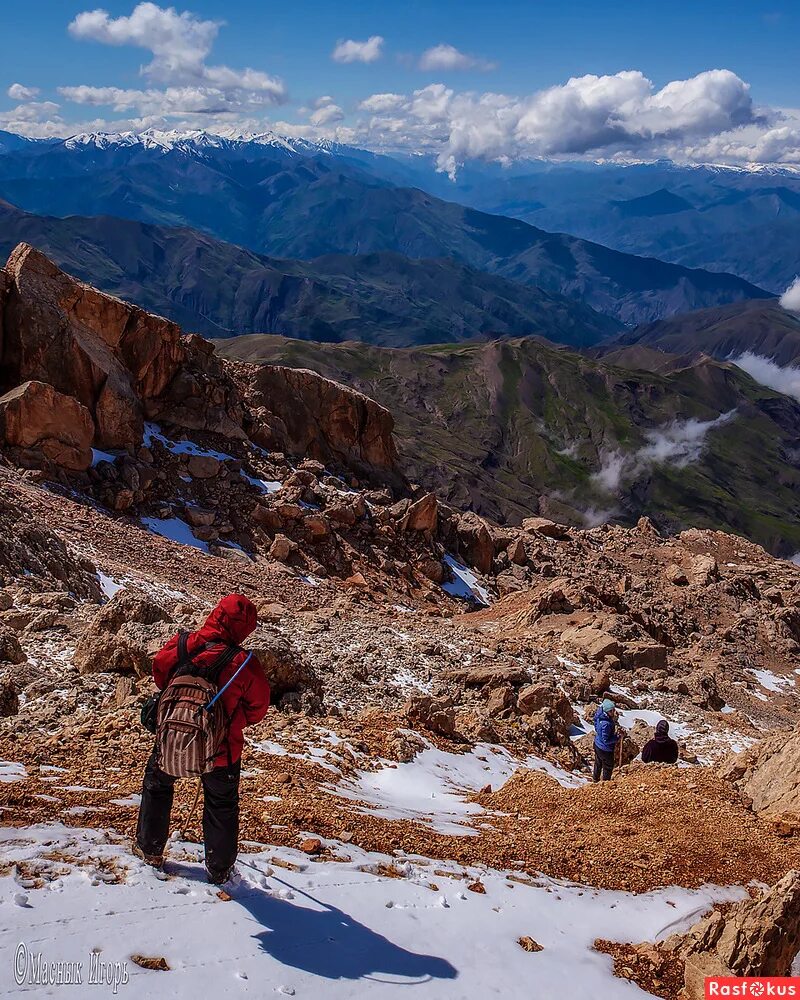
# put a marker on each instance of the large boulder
(317, 417)
(422, 515)
(590, 643)
(437, 715)
(290, 676)
(10, 649)
(121, 363)
(757, 937)
(768, 774)
(35, 415)
(123, 636)
(476, 541)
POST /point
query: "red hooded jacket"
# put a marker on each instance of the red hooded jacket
(247, 699)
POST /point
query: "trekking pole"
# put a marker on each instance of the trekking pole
(293, 888)
(191, 811)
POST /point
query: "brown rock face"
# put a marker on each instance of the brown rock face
(105, 353)
(10, 649)
(591, 643)
(422, 515)
(476, 541)
(327, 421)
(123, 636)
(769, 774)
(35, 415)
(757, 937)
(434, 714)
(119, 362)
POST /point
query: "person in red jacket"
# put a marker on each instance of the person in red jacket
(246, 702)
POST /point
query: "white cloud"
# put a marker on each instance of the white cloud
(18, 92)
(448, 57)
(180, 44)
(613, 114)
(168, 102)
(679, 443)
(382, 103)
(767, 372)
(325, 112)
(349, 51)
(35, 118)
(790, 300)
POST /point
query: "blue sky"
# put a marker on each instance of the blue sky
(511, 48)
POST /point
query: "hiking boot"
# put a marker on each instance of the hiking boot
(219, 878)
(154, 860)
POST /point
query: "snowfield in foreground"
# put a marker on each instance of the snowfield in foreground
(339, 930)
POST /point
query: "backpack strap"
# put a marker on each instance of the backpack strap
(186, 664)
(214, 672)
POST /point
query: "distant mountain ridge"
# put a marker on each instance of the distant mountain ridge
(262, 193)
(760, 327)
(221, 290)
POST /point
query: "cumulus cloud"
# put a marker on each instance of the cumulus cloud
(790, 300)
(612, 114)
(349, 50)
(17, 92)
(767, 372)
(180, 44)
(325, 112)
(679, 443)
(448, 57)
(35, 118)
(382, 103)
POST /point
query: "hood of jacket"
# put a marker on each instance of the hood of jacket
(232, 620)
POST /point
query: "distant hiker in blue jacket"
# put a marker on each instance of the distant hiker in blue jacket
(606, 738)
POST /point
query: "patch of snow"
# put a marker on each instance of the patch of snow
(131, 800)
(12, 771)
(629, 717)
(432, 788)
(405, 680)
(102, 456)
(266, 486)
(175, 529)
(346, 933)
(773, 682)
(466, 584)
(152, 432)
(108, 584)
(314, 755)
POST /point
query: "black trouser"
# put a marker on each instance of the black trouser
(603, 764)
(220, 813)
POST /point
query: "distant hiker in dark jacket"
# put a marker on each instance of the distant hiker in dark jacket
(606, 738)
(245, 702)
(663, 749)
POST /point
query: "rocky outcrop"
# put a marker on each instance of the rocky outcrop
(123, 636)
(34, 415)
(293, 681)
(768, 774)
(29, 547)
(120, 363)
(475, 541)
(308, 414)
(757, 937)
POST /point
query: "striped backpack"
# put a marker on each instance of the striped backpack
(192, 722)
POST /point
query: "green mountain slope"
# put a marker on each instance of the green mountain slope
(519, 426)
(761, 327)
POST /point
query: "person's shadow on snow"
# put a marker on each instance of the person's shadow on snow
(327, 942)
